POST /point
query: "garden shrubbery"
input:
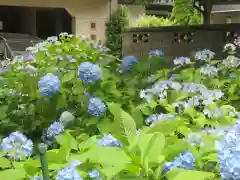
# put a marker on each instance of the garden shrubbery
(102, 118)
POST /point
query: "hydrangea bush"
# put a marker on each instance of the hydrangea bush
(102, 118)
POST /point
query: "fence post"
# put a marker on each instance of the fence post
(42, 148)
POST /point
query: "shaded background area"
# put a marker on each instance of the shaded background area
(40, 22)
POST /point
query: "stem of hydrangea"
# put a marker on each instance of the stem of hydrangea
(42, 148)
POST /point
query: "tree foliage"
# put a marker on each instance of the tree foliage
(118, 21)
(203, 6)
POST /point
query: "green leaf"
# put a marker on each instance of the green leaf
(166, 126)
(12, 174)
(196, 175)
(126, 123)
(151, 146)
(68, 77)
(144, 108)
(90, 142)
(3, 111)
(66, 137)
(4, 163)
(112, 159)
(30, 169)
(61, 101)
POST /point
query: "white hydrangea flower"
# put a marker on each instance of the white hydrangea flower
(181, 61)
(209, 70)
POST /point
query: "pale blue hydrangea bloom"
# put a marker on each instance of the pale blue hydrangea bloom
(101, 48)
(70, 172)
(72, 60)
(128, 62)
(171, 77)
(37, 178)
(231, 62)
(152, 78)
(49, 85)
(185, 160)
(58, 50)
(233, 75)
(228, 149)
(89, 73)
(181, 61)
(237, 41)
(27, 69)
(29, 57)
(209, 70)
(193, 87)
(156, 52)
(32, 50)
(180, 106)
(42, 46)
(17, 146)
(54, 129)
(52, 39)
(216, 112)
(96, 107)
(109, 141)
(66, 118)
(209, 96)
(154, 118)
(94, 174)
(204, 55)
(196, 138)
(159, 89)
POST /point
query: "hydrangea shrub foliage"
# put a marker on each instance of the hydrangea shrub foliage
(102, 118)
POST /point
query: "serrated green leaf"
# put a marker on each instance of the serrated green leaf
(126, 123)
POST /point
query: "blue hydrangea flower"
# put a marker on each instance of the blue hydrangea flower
(159, 90)
(152, 119)
(49, 85)
(17, 146)
(128, 62)
(109, 141)
(171, 77)
(185, 160)
(29, 57)
(37, 178)
(96, 107)
(204, 55)
(89, 73)
(70, 172)
(228, 149)
(94, 174)
(156, 52)
(54, 129)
